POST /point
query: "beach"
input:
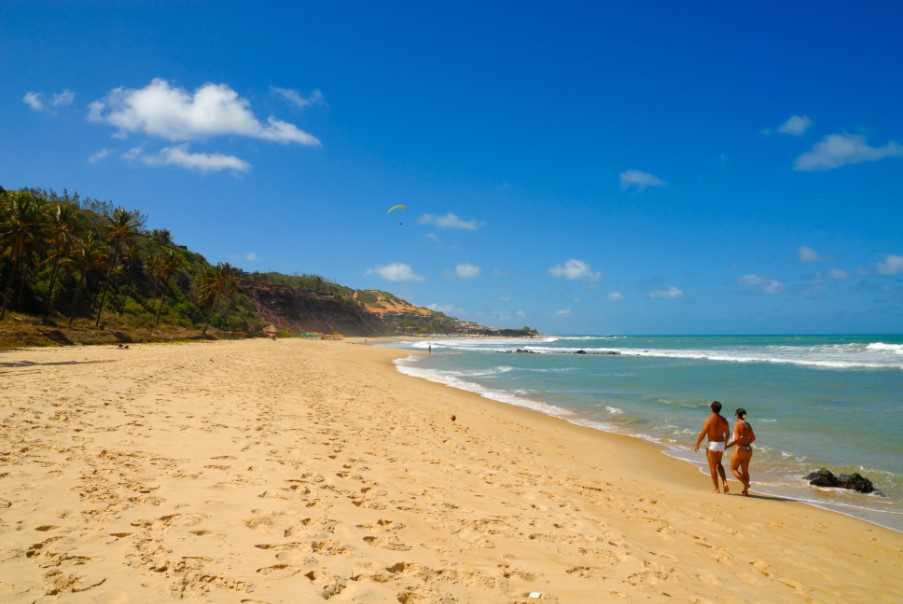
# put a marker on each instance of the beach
(297, 471)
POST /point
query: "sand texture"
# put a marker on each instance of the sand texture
(297, 471)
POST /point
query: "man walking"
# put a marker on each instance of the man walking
(717, 430)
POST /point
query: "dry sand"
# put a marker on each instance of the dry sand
(296, 471)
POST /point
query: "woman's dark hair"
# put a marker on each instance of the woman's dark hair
(741, 412)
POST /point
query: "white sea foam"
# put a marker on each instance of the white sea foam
(407, 366)
(614, 410)
(875, 355)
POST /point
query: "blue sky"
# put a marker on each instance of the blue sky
(650, 168)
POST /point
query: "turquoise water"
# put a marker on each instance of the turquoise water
(814, 401)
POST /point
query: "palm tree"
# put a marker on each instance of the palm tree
(122, 229)
(90, 256)
(214, 284)
(161, 269)
(21, 236)
(60, 231)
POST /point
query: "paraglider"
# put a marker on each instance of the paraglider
(398, 207)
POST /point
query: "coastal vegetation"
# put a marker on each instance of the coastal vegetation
(81, 269)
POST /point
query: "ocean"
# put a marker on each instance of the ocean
(814, 401)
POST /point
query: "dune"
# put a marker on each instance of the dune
(298, 471)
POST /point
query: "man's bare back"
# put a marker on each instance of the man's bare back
(717, 430)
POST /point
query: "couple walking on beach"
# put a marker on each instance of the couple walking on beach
(718, 431)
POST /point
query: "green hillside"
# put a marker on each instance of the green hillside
(79, 269)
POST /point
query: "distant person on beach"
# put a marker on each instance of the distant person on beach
(743, 437)
(717, 430)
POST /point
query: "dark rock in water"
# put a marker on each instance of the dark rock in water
(524, 351)
(580, 352)
(823, 478)
(612, 353)
(855, 482)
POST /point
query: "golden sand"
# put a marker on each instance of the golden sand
(297, 471)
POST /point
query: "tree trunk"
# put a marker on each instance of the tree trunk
(53, 275)
(106, 287)
(159, 307)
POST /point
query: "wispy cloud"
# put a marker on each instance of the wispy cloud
(838, 274)
(467, 271)
(763, 284)
(182, 157)
(36, 102)
(796, 125)
(563, 312)
(672, 292)
(64, 98)
(175, 114)
(299, 100)
(615, 296)
(639, 180)
(836, 150)
(449, 221)
(575, 270)
(395, 272)
(807, 254)
(891, 265)
(250, 257)
(99, 155)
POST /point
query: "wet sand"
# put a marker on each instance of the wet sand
(298, 471)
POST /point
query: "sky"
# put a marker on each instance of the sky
(647, 167)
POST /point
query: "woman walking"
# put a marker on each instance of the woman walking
(743, 438)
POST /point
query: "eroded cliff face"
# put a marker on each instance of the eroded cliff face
(361, 313)
(298, 310)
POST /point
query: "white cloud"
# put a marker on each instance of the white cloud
(95, 111)
(467, 271)
(520, 314)
(838, 274)
(133, 153)
(807, 254)
(98, 155)
(175, 114)
(615, 296)
(836, 150)
(764, 284)
(299, 100)
(795, 125)
(575, 270)
(34, 101)
(449, 221)
(202, 162)
(563, 312)
(395, 271)
(891, 265)
(639, 180)
(251, 257)
(64, 98)
(671, 292)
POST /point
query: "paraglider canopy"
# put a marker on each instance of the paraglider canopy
(397, 208)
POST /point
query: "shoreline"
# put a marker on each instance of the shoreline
(672, 452)
(334, 474)
(873, 509)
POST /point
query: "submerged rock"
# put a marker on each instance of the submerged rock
(855, 482)
(580, 352)
(524, 351)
